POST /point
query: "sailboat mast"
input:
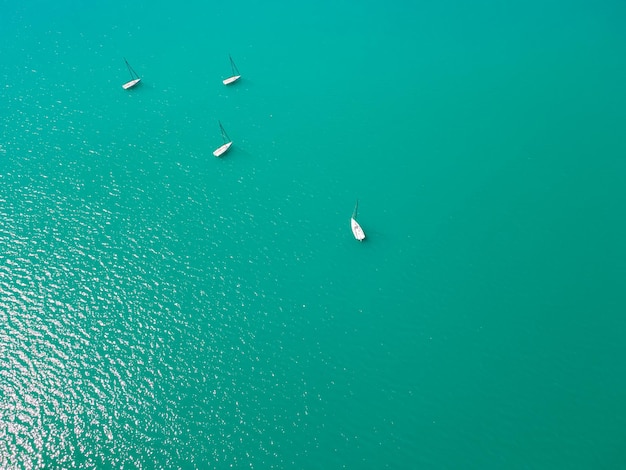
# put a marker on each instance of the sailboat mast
(224, 134)
(233, 66)
(356, 208)
(132, 72)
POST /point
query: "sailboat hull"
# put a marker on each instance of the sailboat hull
(230, 80)
(357, 231)
(131, 84)
(222, 150)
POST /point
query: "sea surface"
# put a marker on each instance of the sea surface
(163, 308)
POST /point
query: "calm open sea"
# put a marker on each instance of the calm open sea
(161, 308)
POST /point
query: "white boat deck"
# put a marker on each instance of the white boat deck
(230, 80)
(222, 149)
(131, 84)
(357, 231)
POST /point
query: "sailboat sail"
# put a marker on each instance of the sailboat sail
(356, 208)
(235, 76)
(134, 77)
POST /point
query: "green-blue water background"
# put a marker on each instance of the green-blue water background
(163, 308)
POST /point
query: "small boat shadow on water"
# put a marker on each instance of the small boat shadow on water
(371, 237)
(234, 152)
(139, 87)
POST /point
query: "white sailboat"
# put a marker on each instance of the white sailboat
(134, 78)
(235, 76)
(357, 231)
(222, 149)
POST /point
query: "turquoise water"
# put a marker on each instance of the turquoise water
(161, 308)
